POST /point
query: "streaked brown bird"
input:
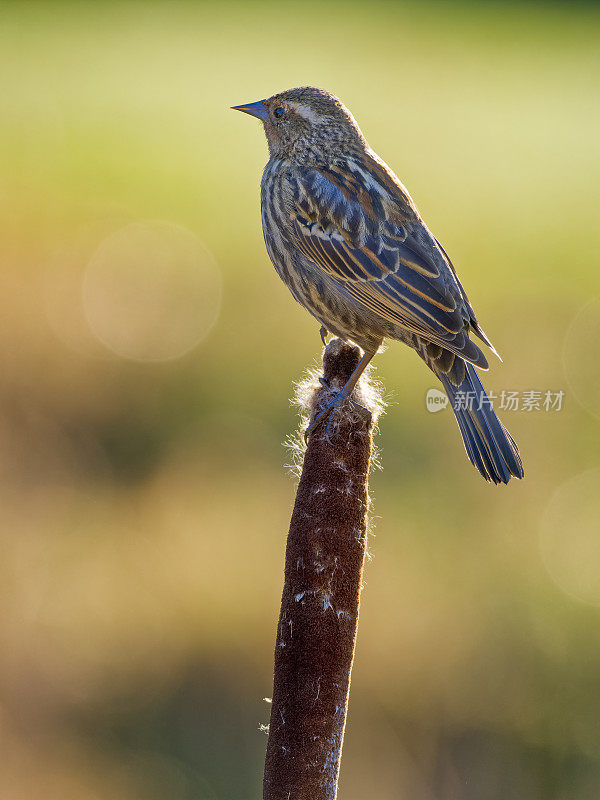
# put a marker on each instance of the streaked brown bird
(347, 239)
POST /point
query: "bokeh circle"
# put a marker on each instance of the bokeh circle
(151, 291)
(569, 541)
(580, 360)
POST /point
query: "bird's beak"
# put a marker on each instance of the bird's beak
(254, 109)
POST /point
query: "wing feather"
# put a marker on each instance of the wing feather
(394, 268)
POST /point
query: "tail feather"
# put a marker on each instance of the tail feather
(490, 447)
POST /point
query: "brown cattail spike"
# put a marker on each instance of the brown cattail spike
(317, 626)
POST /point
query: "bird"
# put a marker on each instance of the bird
(347, 239)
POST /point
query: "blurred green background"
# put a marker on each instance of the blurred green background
(148, 353)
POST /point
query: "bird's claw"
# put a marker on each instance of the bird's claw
(339, 397)
(324, 333)
(324, 414)
(327, 414)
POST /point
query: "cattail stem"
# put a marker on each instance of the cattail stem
(317, 627)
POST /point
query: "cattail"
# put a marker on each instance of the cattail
(325, 553)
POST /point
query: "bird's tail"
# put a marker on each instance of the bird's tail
(489, 445)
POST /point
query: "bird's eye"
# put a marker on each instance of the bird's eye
(279, 112)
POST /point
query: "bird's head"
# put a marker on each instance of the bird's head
(305, 122)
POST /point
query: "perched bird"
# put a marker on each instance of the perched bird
(347, 239)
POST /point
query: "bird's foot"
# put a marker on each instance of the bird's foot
(327, 413)
(324, 333)
(324, 414)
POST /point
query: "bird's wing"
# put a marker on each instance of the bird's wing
(372, 242)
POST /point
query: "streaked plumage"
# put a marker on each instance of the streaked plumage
(345, 236)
